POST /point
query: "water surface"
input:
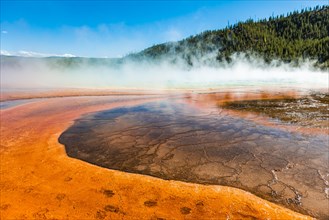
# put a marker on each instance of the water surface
(14, 103)
(173, 140)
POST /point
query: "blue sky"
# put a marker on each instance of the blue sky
(115, 28)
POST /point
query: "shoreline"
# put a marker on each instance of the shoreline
(10, 95)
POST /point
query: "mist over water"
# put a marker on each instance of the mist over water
(205, 73)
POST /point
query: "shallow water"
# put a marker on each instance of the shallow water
(174, 140)
(307, 111)
(14, 103)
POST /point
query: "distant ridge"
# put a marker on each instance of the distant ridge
(293, 38)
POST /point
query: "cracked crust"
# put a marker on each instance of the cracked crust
(39, 181)
(175, 141)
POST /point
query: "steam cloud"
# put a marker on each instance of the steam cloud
(21, 73)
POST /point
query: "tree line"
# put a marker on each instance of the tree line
(293, 38)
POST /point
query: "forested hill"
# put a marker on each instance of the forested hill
(292, 38)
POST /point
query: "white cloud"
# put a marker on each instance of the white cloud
(4, 32)
(66, 55)
(4, 52)
(24, 53)
(37, 54)
(173, 34)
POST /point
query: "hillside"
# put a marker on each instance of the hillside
(292, 39)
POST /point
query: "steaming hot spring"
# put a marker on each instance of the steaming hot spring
(162, 141)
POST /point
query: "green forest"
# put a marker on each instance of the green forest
(291, 38)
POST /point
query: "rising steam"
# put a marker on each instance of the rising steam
(205, 72)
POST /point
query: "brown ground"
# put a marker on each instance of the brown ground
(51, 93)
(309, 111)
(38, 180)
(220, 99)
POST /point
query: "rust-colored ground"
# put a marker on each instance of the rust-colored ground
(51, 93)
(39, 181)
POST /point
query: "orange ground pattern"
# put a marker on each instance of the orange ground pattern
(39, 181)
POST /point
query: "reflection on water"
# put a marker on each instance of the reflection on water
(173, 140)
(307, 111)
(13, 103)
